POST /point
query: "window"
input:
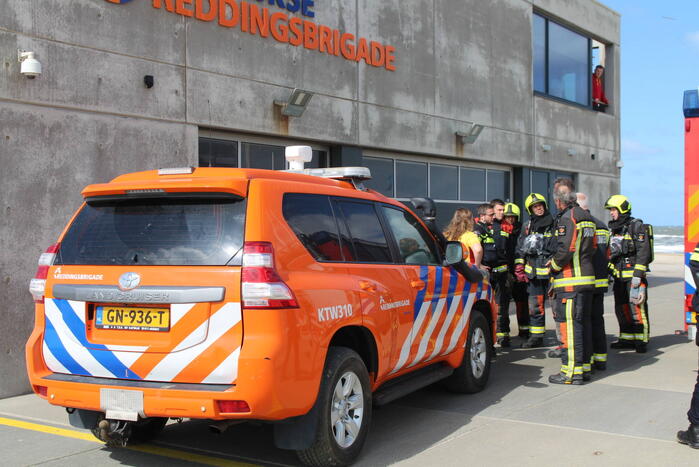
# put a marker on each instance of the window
(414, 244)
(311, 218)
(498, 185)
(218, 153)
(368, 238)
(472, 184)
(411, 179)
(381, 175)
(202, 230)
(444, 182)
(562, 61)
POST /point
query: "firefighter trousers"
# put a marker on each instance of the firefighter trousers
(500, 282)
(633, 319)
(573, 313)
(519, 296)
(538, 296)
(599, 335)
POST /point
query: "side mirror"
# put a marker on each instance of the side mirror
(454, 253)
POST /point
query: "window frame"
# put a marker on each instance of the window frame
(398, 258)
(546, 93)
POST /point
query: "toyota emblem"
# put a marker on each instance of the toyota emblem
(129, 281)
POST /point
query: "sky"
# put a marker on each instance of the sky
(659, 61)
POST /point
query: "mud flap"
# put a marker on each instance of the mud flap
(297, 433)
(86, 419)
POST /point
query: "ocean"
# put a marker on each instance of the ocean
(668, 239)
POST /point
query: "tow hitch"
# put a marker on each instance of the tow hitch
(113, 432)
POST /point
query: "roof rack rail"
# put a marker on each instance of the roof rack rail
(356, 175)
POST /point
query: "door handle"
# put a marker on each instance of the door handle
(367, 285)
(417, 284)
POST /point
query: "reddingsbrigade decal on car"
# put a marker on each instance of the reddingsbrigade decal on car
(392, 305)
(328, 313)
(83, 277)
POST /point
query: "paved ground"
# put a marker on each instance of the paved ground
(627, 416)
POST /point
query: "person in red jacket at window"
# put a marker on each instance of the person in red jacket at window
(599, 100)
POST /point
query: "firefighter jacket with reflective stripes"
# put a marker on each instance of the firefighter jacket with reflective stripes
(535, 259)
(601, 257)
(514, 231)
(635, 251)
(694, 267)
(494, 242)
(571, 266)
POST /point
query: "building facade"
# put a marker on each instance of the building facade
(460, 101)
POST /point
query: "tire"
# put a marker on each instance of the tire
(139, 432)
(345, 380)
(472, 375)
(147, 429)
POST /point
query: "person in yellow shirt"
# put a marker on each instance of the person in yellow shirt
(461, 229)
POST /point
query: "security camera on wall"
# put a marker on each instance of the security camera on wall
(31, 67)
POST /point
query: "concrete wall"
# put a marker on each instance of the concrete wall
(88, 117)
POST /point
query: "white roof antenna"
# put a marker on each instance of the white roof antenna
(297, 156)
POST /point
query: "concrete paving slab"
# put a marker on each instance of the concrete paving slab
(20, 447)
(504, 442)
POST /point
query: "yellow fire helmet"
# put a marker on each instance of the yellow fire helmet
(532, 199)
(511, 209)
(619, 202)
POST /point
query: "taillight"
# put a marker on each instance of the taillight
(41, 390)
(37, 285)
(232, 406)
(261, 285)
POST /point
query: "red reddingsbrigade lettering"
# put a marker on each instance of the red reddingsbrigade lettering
(363, 51)
(259, 21)
(210, 14)
(182, 10)
(245, 16)
(348, 50)
(295, 29)
(310, 35)
(378, 55)
(169, 5)
(279, 28)
(326, 37)
(336, 42)
(224, 19)
(390, 58)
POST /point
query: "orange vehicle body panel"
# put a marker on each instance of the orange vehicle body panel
(271, 358)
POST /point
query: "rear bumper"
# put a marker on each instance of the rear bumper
(277, 380)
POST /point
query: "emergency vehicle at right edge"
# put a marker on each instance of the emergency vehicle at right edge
(297, 298)
(691, 201)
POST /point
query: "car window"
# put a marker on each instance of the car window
(192, 231)
(414, 243)
(368, 238)
(312, 220)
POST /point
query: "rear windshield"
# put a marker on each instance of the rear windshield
(156, 231)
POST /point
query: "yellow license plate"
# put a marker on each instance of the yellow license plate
(132, 318)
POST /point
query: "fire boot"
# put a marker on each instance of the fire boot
(562, 379)
(622, 344)
(533, 342)
(690, 437)
(504, 341)
(641, 347)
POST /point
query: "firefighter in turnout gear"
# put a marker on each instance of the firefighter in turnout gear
(519, 289)
(631, 250)
(573, 278)
(691, 435)
(535, 247)
(600, 262)
(494, 242)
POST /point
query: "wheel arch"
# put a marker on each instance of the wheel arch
(361, 340)
(486, 308)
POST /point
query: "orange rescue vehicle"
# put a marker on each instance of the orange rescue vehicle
(295, 297)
